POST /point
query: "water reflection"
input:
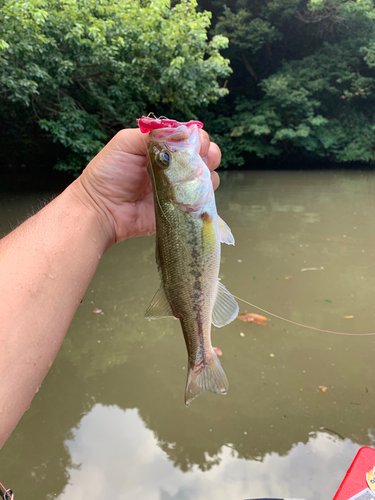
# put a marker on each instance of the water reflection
(113, 400)
(116, 456)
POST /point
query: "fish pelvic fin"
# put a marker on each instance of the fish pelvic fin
(226, 235)
(208, 375)
(159, 306)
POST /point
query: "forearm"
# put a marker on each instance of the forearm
(46, 265)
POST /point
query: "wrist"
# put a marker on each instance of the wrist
(94, 211)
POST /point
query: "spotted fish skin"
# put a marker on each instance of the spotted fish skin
(189, 233)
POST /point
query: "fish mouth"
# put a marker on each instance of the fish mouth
(150, 123)
(176, 139)
(178, 134)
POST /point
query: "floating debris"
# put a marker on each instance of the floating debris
(253, 318)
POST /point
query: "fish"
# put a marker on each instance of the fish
(189, 234)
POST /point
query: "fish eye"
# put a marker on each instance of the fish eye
(163, 159)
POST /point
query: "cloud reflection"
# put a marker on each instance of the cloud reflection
(117, 456)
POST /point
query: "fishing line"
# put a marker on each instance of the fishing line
(300, 324)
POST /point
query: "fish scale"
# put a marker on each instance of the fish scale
(189, 233)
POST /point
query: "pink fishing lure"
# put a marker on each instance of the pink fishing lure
(146, 123)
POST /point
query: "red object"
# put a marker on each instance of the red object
(146, 124)
(355, 480)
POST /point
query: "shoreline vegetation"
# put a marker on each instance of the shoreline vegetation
(284, 84)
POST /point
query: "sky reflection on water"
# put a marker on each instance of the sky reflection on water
(116, 456)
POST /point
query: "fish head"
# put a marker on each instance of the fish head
(174, 160)
(174, 153)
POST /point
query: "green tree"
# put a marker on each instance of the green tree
(77, 71)
(303, 82)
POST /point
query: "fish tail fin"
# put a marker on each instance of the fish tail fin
(208, 375)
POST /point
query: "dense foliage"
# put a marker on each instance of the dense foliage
(302, 84)
(77, 71)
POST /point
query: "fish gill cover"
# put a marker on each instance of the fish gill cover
(147, 123)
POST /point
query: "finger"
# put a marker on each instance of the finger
(215, 179)
(130, 140)
(213, 156)
(204, 139)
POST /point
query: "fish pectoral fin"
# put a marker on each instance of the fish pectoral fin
(225, 308)
(226, 235)
(208, 377)
(159, 306)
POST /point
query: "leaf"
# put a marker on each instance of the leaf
(253, 318)
(288, 277)
(349, 317)
(327, 300)
(98, 64)
(323, 387)
(217, 351)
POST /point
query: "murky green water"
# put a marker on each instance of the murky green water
(109, 421)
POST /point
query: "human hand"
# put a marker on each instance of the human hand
(116, 184)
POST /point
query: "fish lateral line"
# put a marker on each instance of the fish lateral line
(301, 324)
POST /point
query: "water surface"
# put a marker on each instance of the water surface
(109, 420)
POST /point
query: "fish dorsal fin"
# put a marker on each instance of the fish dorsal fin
(225, 308)
(226, 235)
(159, 306)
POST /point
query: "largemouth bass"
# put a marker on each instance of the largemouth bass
(189, 233)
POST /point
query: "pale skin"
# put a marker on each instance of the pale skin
(47, 263)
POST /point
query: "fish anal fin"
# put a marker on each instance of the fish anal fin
(226, 235)
(225, 308)
(210, 376)
(159, 306)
